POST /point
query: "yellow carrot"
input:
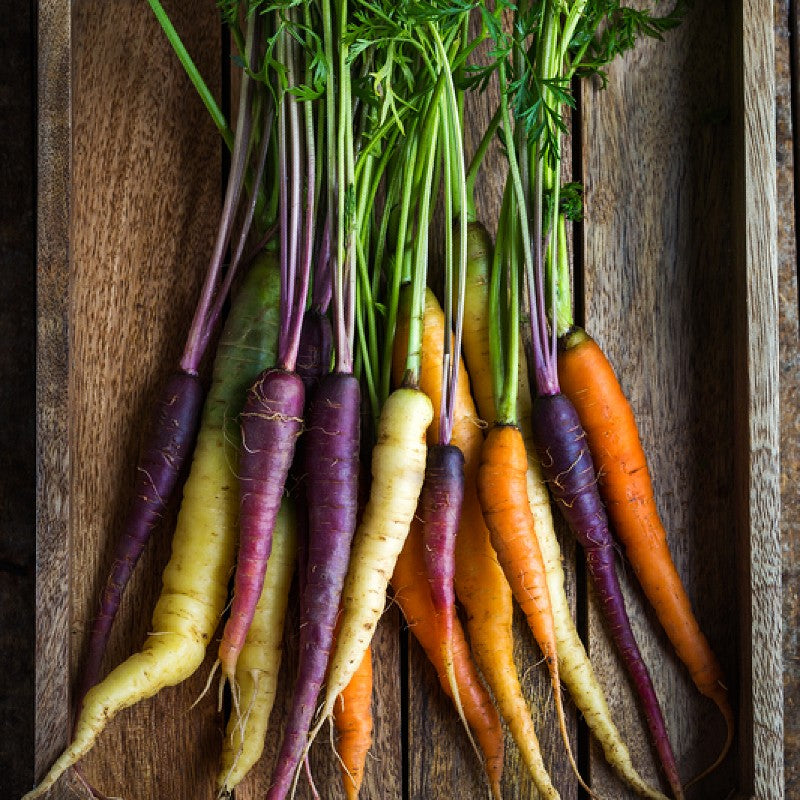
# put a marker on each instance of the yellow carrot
(259, 662)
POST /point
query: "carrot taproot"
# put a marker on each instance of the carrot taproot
(271, 421)
(503, 494)
(479, 580)
(195, 580)
(398, 468)
(568, 468)
(588, 379)
(259, 662)
(331, 449)
(352, 716)
(412, 593)
(172, 435)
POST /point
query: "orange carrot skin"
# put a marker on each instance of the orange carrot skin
(501, 482)
(352, 716)
(588, 379)
(412, 593)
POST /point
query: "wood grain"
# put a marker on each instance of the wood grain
(145, 186)
(787, 16)
(757, 479)
(52, 491)
(656, 156)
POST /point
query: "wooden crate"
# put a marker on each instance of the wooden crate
(677, 281)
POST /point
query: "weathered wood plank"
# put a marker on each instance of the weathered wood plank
(757, 410)
(145, 204)
(656, 159)
(787, 17)
(53, 458)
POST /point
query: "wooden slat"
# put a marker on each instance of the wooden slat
(758, 473)
(787, 18)
(145, 181)
(656, 158)
(52, 491)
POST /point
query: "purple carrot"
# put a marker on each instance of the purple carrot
(332, 468)
(314, 350)
(172, 434)
(270, 422)
(442, 497)
(568, 468)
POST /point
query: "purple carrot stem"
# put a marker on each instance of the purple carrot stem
(193, 352)
(255, 251)
(568, 468)
(315, 348)
(171, 437)
(323, 283)
(332, 471)
(216, 311)
(298, 312)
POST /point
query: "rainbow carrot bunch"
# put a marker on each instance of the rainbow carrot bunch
(348, 174)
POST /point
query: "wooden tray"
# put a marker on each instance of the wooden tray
(677, 280)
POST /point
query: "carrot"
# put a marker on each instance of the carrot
(398, 468)
(331, 450)
(195, 581)
(569, 471)
(502, 484)
(352, 716)
(479, 580)
(412, 594)
(271, 420)
(260, 659)
(272, 416)
(588, 379)
(172, 435)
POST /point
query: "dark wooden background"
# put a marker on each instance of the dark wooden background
(18, 127)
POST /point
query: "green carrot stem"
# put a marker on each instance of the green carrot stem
(496, 328)
(193, 73)
(414, 357)
(563, 317)
(393, 298)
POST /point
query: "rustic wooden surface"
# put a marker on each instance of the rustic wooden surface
(142, 228)
(787, 66)
(756, 409)
(136, 118)
(52, 349)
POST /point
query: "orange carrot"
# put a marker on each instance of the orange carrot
(352, 716)
(588, 379)
(480, 583)
(411, 591)
(503, 493)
